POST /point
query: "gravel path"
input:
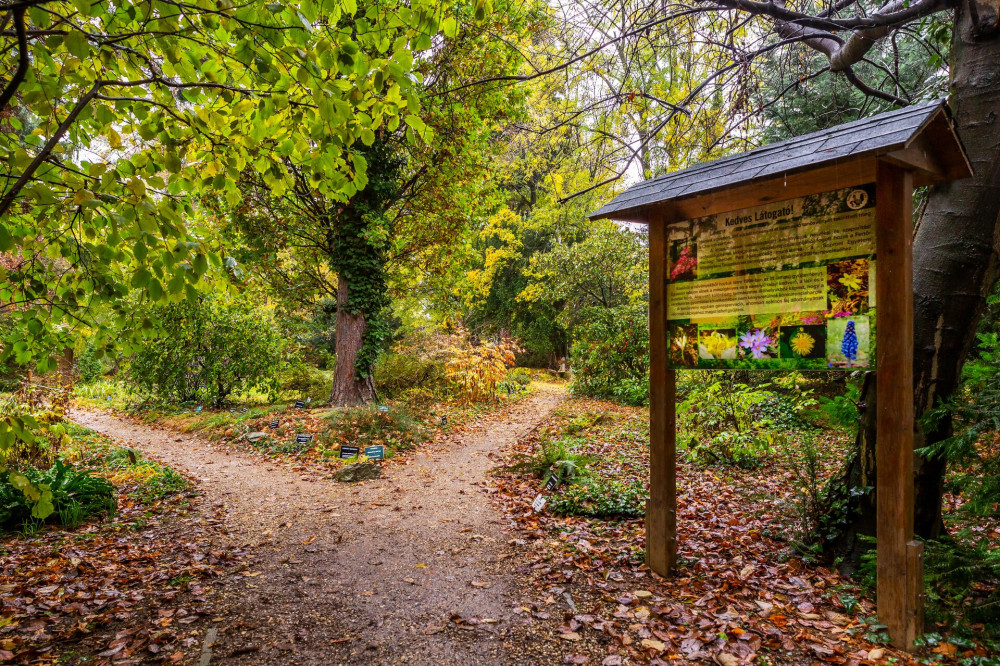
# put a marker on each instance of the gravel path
(372, 573)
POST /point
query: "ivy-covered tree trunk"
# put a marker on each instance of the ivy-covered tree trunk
(350, 388)
(955, 263)
(358, 257)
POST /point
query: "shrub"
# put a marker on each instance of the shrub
(68, 493)
(519, 376)
(477, 369)
(516, 381)
(88, 366)
(30, 435)
(962, 580)
(396, 373)
(601, 499)
(556, 459)
(783, 412)
(721, 421)
(306, 380)
(208, 349)
(584, 421)
(164, 482)
(610, 355)
(11, 373)
(842, 410)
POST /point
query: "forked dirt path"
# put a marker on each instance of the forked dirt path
(371, 573)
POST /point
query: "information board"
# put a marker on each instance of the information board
(786, 285)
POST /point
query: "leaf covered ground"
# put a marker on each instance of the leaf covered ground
(742, 595)
(130, 588)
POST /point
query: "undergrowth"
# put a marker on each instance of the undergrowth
(370, 426)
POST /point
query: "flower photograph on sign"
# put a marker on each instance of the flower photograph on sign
(717, 344)
(847, 286)
(847, 344)
(684, 345)
(683, 260)
(756, 343)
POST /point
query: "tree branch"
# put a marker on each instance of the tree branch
(22, 60)
(46, 150)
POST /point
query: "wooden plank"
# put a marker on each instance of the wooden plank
(894, 358)
(940, 135)
(920, 157)
(778, 188)
(915, 590)
(661, 509)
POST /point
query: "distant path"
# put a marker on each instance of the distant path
(359, 574)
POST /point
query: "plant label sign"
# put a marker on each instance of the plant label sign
(299, 404)
(383, 408)
(274, 424)
(375, 452)
(349, 451)
(538, 504)
(552, 483)
(786, 285)
(303, 439)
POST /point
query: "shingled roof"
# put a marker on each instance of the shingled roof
(887, 134)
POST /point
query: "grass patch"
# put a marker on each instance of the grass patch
(146, 481)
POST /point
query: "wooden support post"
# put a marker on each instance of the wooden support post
(900, 571)
(661, 509)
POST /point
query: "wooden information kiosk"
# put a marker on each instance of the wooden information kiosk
(796, 256)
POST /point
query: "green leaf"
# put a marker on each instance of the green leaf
(367, 137)
(77, 44)
(449, 26)
(416, 122)
(155, 289)
(172, 162)
(141, 278)
(176, 284)
(6, 242)
(200, 264)
(44, 507)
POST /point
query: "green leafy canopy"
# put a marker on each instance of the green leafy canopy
(121, 116)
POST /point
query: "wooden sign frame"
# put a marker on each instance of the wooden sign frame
(900, 559)
(901, 149)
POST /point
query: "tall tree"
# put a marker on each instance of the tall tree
(419, 177)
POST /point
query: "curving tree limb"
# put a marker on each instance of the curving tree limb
(22, 59)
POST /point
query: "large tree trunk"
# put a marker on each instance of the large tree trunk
(349, 389)
(955, 263)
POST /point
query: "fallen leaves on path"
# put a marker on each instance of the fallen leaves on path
(132, 589)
